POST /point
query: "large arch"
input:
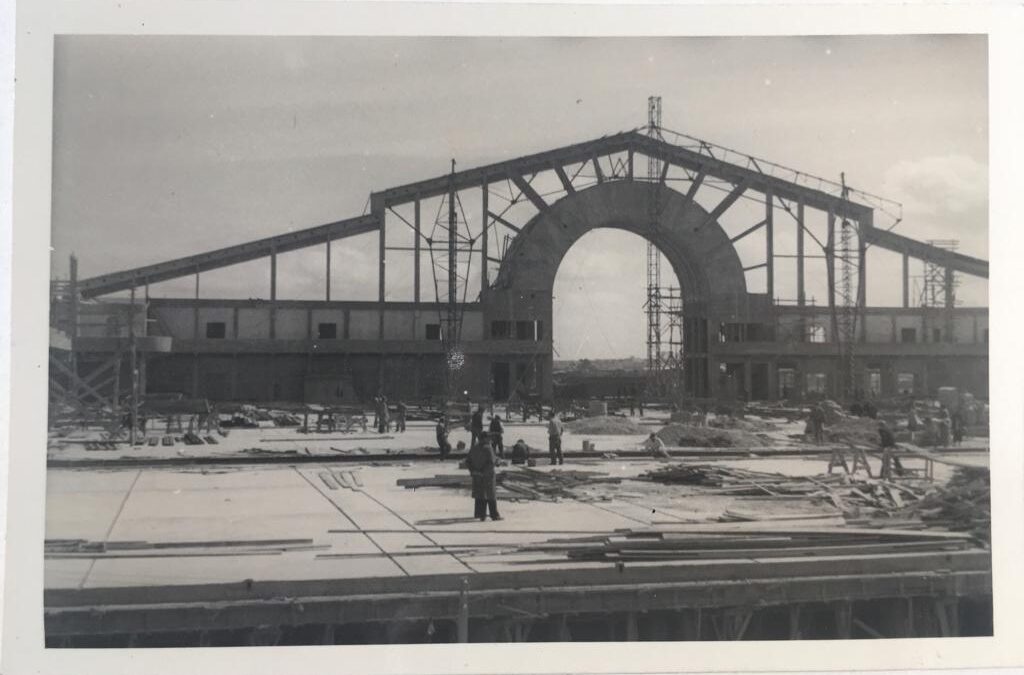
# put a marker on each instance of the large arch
(711, 275)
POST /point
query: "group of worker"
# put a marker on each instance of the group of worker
(382, 415)
(944, 429)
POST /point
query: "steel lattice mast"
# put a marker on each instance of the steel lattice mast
(653, 255)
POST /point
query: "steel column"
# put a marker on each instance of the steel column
(327, 281)
(273, 293)
(769, 232)
(416, 251)
(484, 283)
(195, 310)
(830, 268)
(801, 294)
(906, 280)
(863, 225)
(381, 277)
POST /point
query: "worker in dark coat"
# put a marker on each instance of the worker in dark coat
(887, 441)
(401, 410)
(520, 452)
(817, 424)
(442, 437)
(476, 426)
(481, 462)
(497, 436)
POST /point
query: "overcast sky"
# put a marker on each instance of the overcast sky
(166, 146)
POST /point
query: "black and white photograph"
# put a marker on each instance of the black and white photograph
(483, 339)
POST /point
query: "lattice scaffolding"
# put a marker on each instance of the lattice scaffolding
(933, 288)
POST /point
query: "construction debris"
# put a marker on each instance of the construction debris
(962, 505)
(688, 436)
(605, 425)
(523, 483)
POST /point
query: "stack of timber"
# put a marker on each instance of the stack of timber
(723, 543)
(963, 504)
(82, 548)
(521, 483)
(740, 482)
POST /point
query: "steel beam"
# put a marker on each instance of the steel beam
(922, 251)
(566, 183)
(694, 186)
(529, 192)
(224, 257)
(724, 205)
(597, 169)
(749, 230)
(504, 222)
(735, 173)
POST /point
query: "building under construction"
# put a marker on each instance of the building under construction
(503, 229)
(237, 532)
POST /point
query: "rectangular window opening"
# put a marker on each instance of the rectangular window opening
(216, 330)
(327, 331)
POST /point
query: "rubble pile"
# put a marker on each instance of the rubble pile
(688, 436)
(605, 425)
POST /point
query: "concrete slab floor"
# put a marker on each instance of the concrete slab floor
(379, 530)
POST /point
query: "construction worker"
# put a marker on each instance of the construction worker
(481, 462)
(400, 411)
(555, 438)
(496, 432)
(656, 447)
(887, 442)
(476, 426)
(817, 422)
(520, 452)
(442, 437)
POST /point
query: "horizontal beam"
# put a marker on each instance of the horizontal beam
(224, 257)
(926, 252)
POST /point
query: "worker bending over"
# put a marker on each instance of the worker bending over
(656, 447)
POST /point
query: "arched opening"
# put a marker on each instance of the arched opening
(599, 299)
(697, 252)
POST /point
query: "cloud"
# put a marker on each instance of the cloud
(939, 185)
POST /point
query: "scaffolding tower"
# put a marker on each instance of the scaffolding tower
(849, 302)
(664, 305)
(933, 282)
(653, 305)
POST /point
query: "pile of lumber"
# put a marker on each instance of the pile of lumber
(521, 483)
(82, 548)
(963, 504)
(740, 482)
(723, 543)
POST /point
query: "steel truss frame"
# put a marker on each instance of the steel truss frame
(512, 192)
